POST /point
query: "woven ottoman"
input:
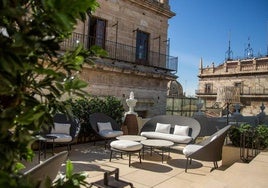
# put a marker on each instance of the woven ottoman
(125, 146)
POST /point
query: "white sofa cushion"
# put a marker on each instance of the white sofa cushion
(171, 137)
(162, 128)
(126, 145)
(181, 130)
(110, 133)
(104, 126)
(191, 148)
(61, 128)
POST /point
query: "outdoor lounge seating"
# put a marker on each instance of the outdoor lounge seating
(48, 169)
(178, 129)
(208, 150)
(65, 130)
(105, 126)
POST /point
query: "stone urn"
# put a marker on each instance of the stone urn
(131, 102)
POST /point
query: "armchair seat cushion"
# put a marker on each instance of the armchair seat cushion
(58, 138)
(110, 133)
(171, 137)
(191, 148)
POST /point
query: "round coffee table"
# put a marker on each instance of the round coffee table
(157, 143)
(136, 138)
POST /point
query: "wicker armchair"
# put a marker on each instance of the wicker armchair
(105, 126)
(208, 150)
(46, 171)
(64, 132)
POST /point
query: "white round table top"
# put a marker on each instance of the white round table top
(157, 143)
(136, 138)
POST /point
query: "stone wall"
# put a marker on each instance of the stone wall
(130, 17)
(150, 90)
(250, 75)
(108, 77)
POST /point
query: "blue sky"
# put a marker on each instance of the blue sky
(202, 28)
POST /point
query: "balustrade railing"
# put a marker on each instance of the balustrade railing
(122, 52)
(243, 91)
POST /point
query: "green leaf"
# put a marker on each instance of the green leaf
(69, 169)
(29, 116)
(19, 166)
(98, 51)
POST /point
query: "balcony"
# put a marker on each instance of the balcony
(244, 92)
(123, 52)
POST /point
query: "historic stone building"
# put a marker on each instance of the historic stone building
(249, 75)
(134, 33)
(175, 89)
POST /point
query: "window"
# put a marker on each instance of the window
(96, 32)
(239, 85)
(208, 88)
(142, 41)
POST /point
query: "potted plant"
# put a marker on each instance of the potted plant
(255, 137)
(244, 138)
(71, 179)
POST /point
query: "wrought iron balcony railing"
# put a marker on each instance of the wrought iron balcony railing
(123, 52)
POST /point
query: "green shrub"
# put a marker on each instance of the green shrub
(83, 107)
(256, 137)
(114, 109)
(262, 132)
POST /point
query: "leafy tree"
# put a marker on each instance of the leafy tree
(34, 73)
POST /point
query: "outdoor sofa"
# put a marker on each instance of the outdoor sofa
(178, 129)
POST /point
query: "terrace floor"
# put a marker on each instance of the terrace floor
(94, 160)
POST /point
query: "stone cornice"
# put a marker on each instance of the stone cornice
(236, 67)
(155, 6)
(127, 68)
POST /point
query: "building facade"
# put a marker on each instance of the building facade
(134, 34)
(249, 76)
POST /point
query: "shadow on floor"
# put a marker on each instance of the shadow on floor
(181, 163)
(152, 167)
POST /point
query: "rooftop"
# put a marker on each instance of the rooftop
(94, 160)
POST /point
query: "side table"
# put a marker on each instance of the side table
(157, 143)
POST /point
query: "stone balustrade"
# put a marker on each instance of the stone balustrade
(210, 125)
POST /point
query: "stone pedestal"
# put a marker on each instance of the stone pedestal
(132, 124)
